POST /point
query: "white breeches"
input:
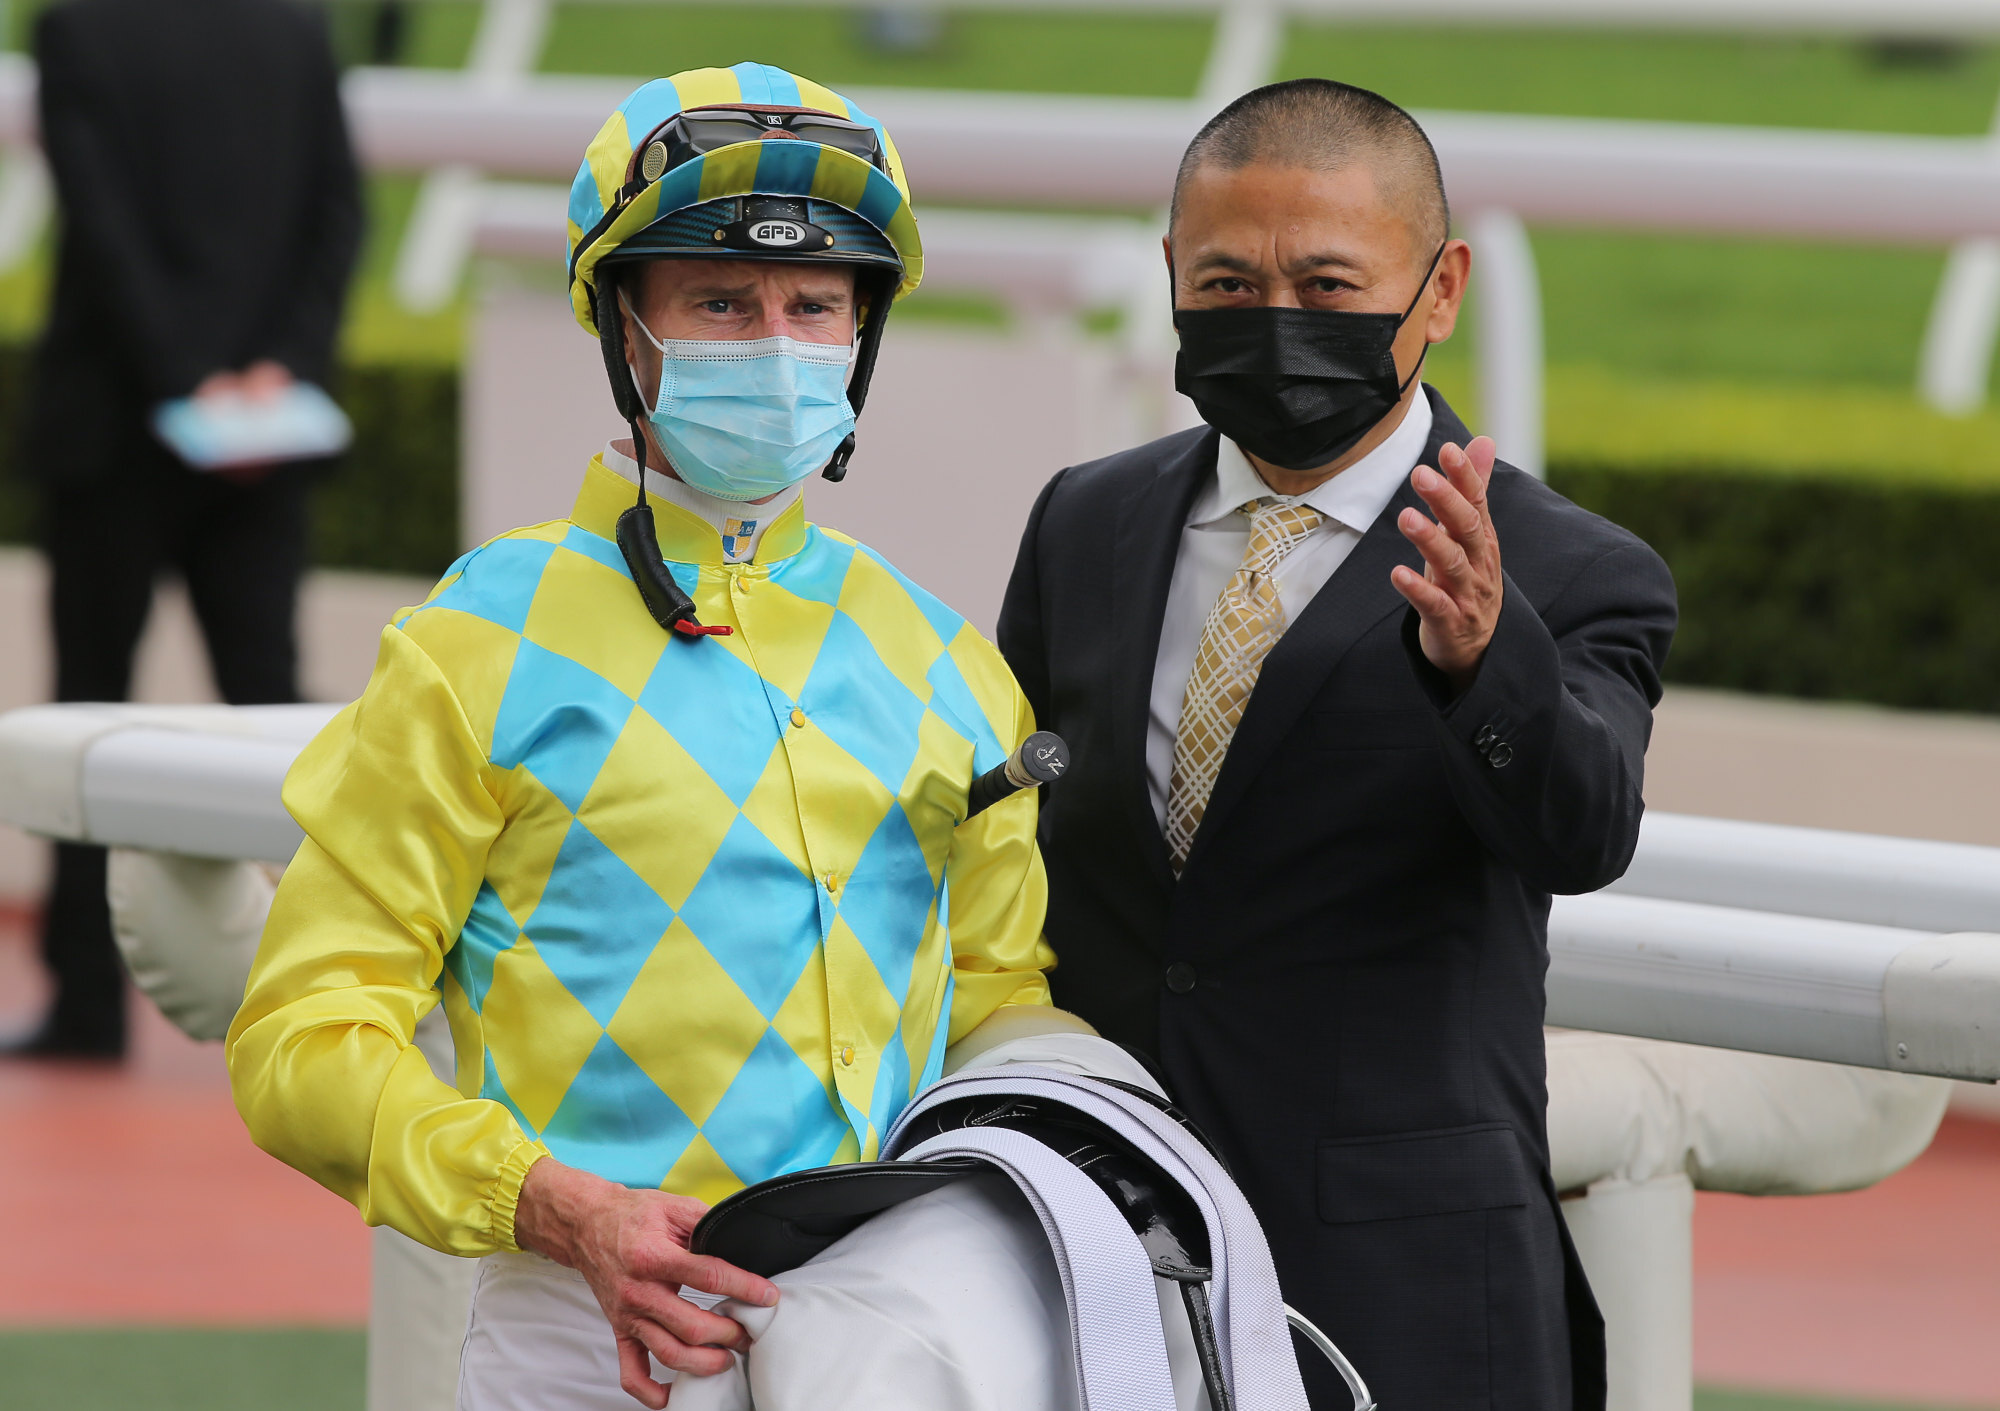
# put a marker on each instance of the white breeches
(537, 1341)
(949, 1302)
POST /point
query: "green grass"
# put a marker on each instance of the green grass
(1022, 50)
(1761, 1401)
(437, 33)
(320, 1369)
(1759, 79)
(170, 1369)
(1755, 312)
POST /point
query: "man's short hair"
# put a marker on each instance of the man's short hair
(1322, 125)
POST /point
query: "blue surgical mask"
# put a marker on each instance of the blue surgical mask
(741, 420)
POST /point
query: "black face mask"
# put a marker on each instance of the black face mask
(1295, 387)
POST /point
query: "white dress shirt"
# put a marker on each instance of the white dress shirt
(1216, 538)
(740, 522)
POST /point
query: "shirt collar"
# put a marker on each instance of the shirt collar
(713, 508)
(1353, 498)
(685, 536)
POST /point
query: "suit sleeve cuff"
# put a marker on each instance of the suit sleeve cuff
(1511, 704)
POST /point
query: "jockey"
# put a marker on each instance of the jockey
(665, 802)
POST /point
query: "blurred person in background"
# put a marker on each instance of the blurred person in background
(1332, 758)
(210, 216)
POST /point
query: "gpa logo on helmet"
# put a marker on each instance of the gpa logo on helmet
(778, 234)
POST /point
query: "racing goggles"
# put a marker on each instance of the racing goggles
(695, 132)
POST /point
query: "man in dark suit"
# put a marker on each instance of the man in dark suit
(1331, 758)
(210, 218)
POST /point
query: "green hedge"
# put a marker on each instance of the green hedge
(1829, 587)
(392, 505)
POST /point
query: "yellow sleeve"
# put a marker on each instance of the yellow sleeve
(999, 892)
(396, 800)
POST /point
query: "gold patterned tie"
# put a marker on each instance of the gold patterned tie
(1241, 629)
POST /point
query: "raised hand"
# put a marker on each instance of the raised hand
(1457, 596)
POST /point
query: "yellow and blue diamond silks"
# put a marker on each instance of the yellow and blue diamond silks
(770, 168)
(699, 912)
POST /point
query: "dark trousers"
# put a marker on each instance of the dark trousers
(240, 548)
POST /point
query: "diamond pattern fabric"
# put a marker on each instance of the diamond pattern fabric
(688, 904)
(1240, 631)
(709, 722)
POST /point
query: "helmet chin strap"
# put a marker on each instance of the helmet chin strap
(638, 538)
(868, 342)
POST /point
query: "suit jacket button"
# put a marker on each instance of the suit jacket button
(1501, 755)
(1180, 977)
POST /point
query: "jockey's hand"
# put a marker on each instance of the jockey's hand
(631, 1247)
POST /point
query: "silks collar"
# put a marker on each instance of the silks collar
(684, 537)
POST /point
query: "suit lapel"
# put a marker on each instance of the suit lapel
(1358, 596)
(1148, 539)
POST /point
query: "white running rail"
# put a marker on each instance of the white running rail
(1814, 944)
